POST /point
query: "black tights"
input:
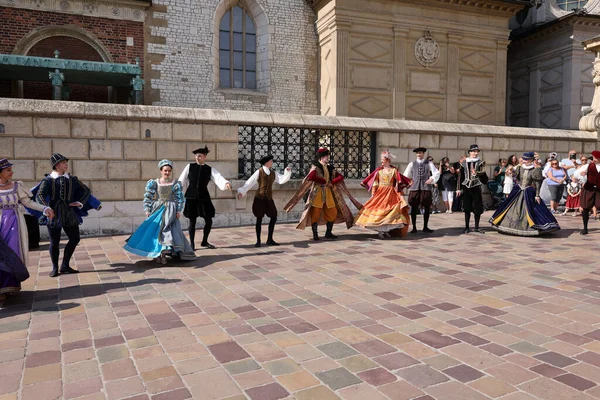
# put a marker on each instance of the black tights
(73, 235)
(414, 211)
(468, 220)
(206, 232)
(585, 215)
(258, 229)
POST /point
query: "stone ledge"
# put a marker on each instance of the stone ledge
(26, 107)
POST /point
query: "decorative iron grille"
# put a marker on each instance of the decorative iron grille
(352, 152)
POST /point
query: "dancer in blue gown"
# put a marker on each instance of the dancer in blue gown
(161, 234)
(523, 213)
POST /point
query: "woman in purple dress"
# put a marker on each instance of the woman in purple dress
(14, 243)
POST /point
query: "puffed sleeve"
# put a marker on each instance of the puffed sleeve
(150, 195)
(25, 196)
(178, 194)
(281, 179)
(42, 192)
(312, 176)
(537, 178)
(337, 178)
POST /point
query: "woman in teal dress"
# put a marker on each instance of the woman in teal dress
(161, 234)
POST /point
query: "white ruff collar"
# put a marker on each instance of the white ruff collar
(530, 166)
(55, 175)
(469, 159)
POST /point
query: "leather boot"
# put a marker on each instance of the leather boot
(315, 231)
(328, 233)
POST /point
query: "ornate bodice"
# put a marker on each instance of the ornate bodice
(529, 177)
(386, 178)
(165, 193)
(9, 198)
(157, 194)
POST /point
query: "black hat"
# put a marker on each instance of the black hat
(56, 158)
(420, 149)
(265, 159)
(473, 147)
(202, 150)
(322, 152)
(5, 164)
(528, 155)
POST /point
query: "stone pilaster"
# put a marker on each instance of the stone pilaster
(341, 36)
(534, 95)
(571, 94)
(452, 77)
(500, 84)
(399, 95)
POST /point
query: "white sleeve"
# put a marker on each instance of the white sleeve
(249, 183)
(435, 173)
(184, 178)
(408, 171)
(580, 170)
(218, 179)
(281, 179)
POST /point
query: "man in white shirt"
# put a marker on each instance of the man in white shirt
(263, 203)
(569, 164)
(590, 193)
(195, 179)
(423, 174)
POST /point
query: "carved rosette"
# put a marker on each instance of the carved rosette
(427, 50)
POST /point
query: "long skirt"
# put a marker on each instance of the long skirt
(385, 211)
(161, 232)
(12, 269)
(521, 215)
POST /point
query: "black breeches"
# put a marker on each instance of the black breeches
(74, 238)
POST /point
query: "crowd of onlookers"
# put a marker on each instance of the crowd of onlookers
(559, 181)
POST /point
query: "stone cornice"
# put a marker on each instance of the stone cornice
(62, 109)
(130, 10)
(492, 7)
(556, 27)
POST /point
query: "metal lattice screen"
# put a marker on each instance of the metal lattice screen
(352, 152)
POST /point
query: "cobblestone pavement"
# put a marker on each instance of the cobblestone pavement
(445, 316)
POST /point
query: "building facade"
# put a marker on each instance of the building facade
(550, 74)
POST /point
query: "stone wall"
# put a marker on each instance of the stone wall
(115, 149)
(182, 62)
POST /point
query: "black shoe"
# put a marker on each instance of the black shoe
(68, 270)
(54, 273)
(583, 232)
(330, 235)
(315, 231)
(414, 230)
(478, 230)
(258, 244)
(427, 230)
(467, 230)
(271, 242)
(207, 245)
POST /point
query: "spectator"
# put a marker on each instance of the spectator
(512, 160)
(574, 190)
(457, 205)
(448, 183)
(500, 170)
(508, 181)
(570, 164)
(555, 179)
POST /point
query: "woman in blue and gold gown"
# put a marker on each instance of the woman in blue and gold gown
(523, 213)
(161, 234)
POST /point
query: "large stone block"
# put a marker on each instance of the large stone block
(561, 146)
(388, 139)
(484, 143)
(108, 190)
(17, 126)
(171, 150)
(402, 155)
(24, 170)
(125, 170)
(227, 151)
(449, 142)
(464, 142)
(229, 169)
(71, 148)
(187, 132)
(531, 145)
(116, 226)
(500, 144)
(42, 167)
(7, 146)
(139, 149)
(224, 206)
(93, 170)
(516, 144)
(88, 128)
(135, 191)
(454, 155)
(158, 130)
(588, 147)
(150, 170)
(430, 141)
(123, 129)
(106, 149)
(409, 140)
(32, 148)
(546, 145)
(220, 133)
(51, 127)
(576, 145)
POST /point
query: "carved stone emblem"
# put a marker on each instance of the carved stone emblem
(427, 50)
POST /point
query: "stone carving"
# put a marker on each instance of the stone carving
(64, 5)
(590, 120)
(427, 50)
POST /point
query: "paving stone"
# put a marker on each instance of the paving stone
(272, 391)
(316, 393)
(395, 361)
(338, 378)
(377, 376)
(227, 352)
(575, 381)
(558, 360)
(422, 376)
(337, 350)
(372, 348)
(463, 373)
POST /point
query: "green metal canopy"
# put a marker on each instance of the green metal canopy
(28, 68)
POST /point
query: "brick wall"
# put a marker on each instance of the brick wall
(16, 23)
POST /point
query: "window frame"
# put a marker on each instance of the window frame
(567, 2)
(231, 50)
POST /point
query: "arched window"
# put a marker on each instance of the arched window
(237, 50)
(571, 5)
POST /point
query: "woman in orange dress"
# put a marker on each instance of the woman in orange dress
(386, 210)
